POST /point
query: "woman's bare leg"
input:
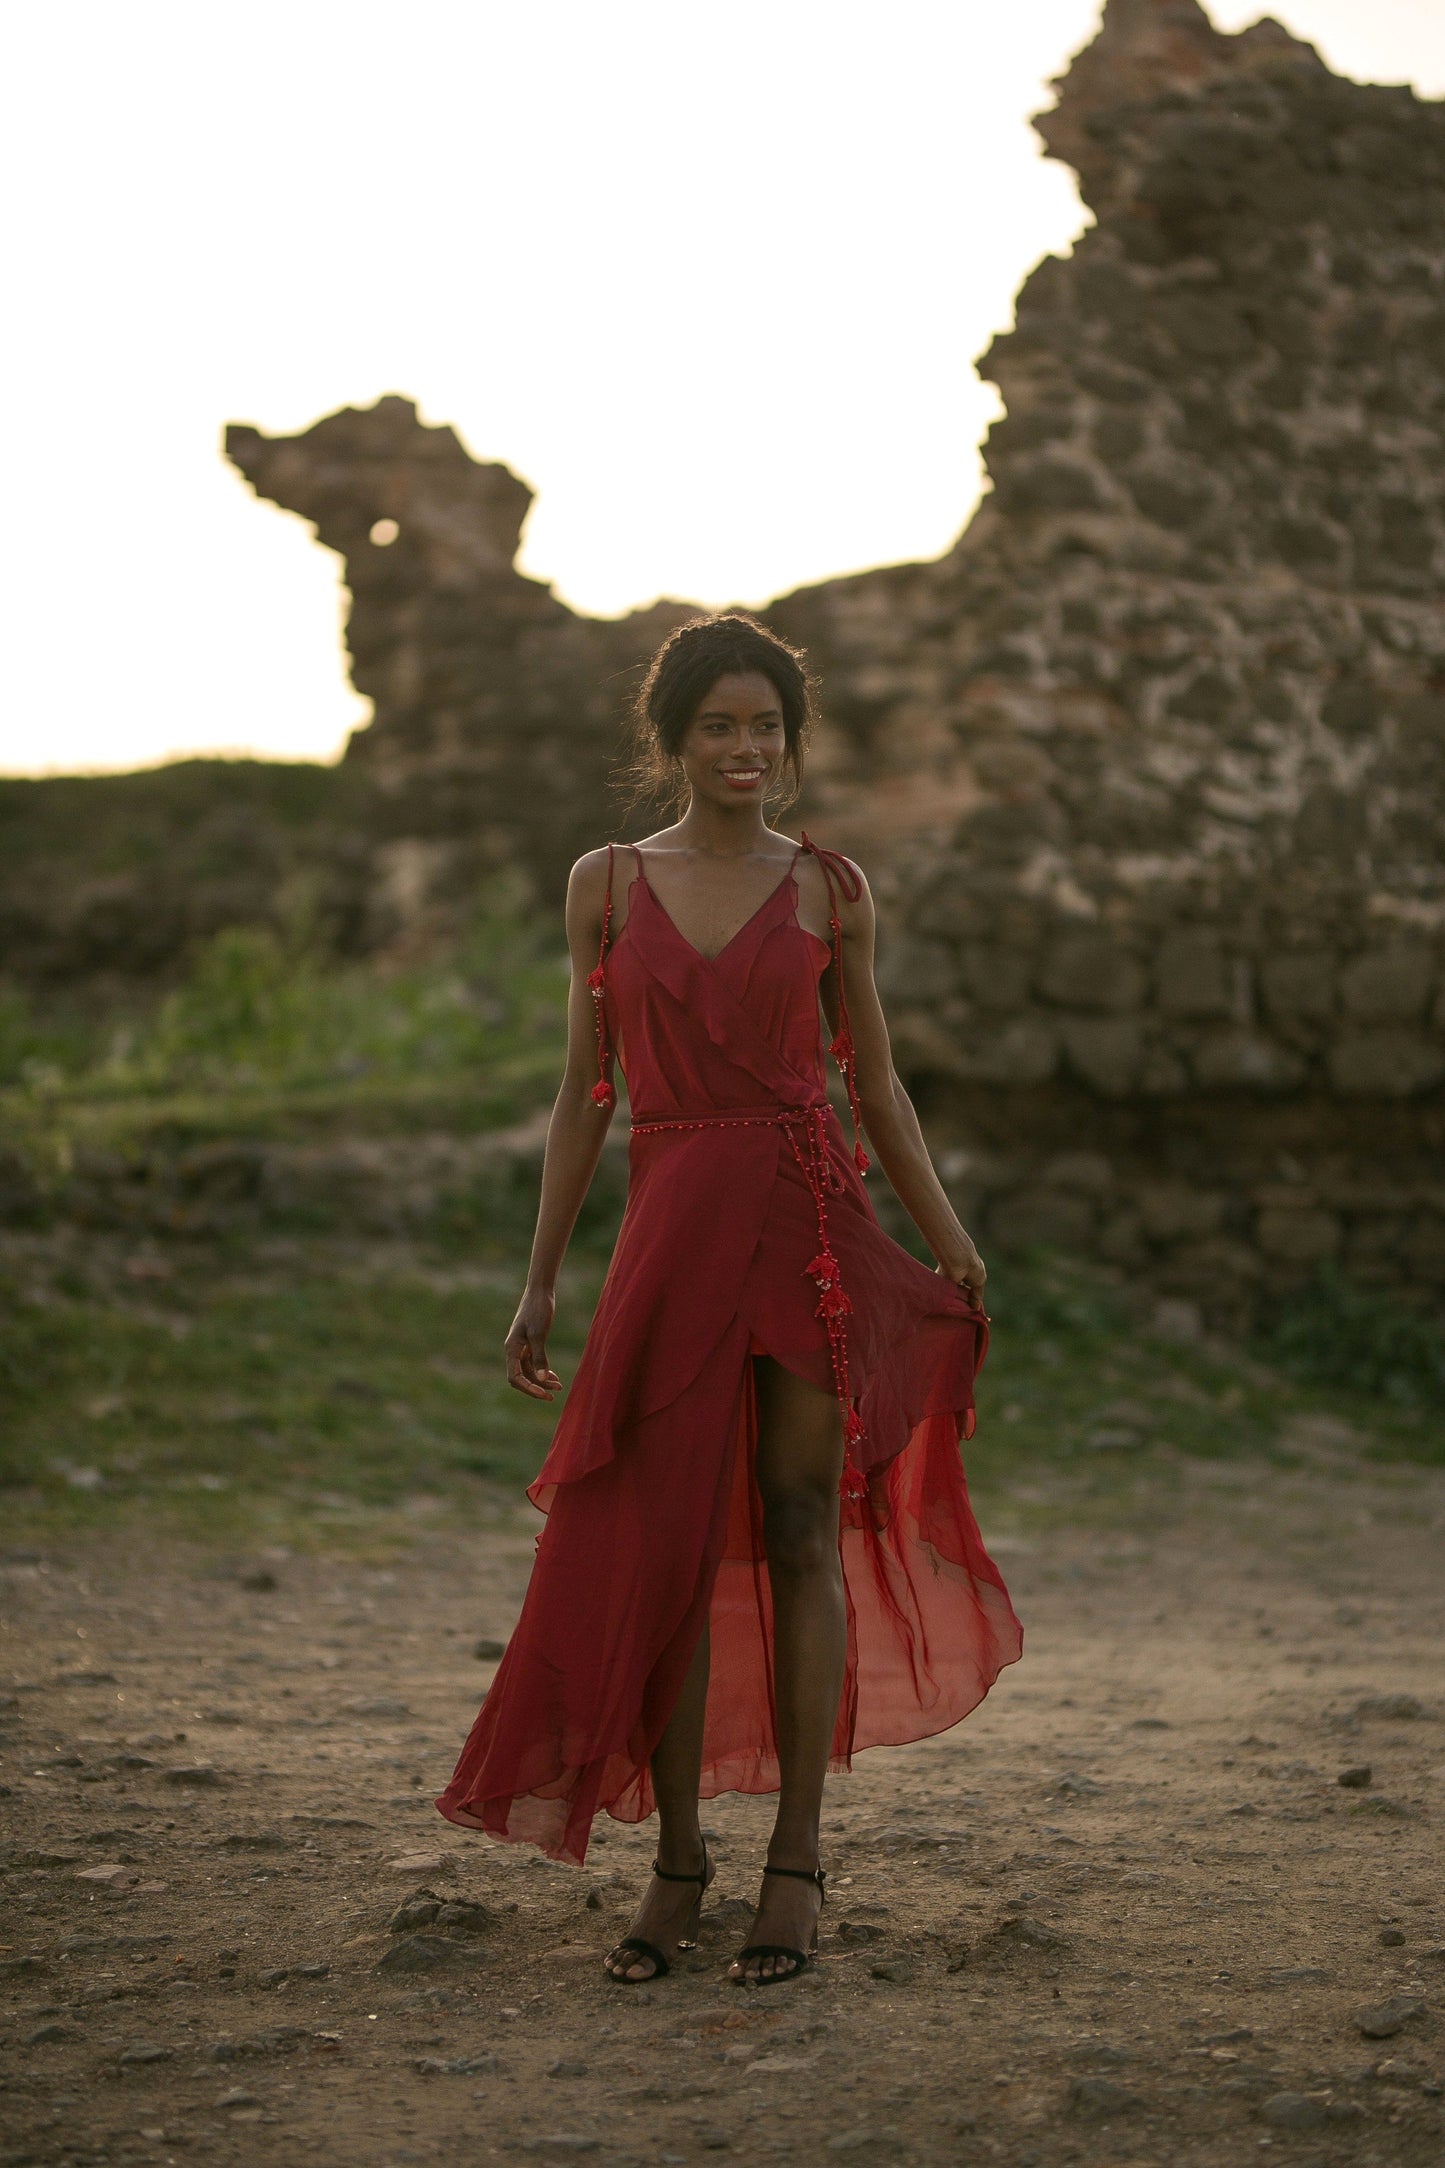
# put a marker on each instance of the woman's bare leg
(676, 1774)
(800, 1458)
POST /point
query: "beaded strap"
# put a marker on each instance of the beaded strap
(604, 1092)
(841, 1045)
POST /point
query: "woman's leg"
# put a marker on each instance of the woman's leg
(676, 1774)
(800, 1458)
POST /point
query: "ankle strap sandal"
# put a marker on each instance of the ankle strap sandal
(801, 1959)
(687, 1940)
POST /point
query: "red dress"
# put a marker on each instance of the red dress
(747, 1231)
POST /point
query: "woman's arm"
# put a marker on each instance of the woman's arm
(888, 1113)
(574, 1142)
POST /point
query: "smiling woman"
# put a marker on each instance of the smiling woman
(758, 713)
(759, 1553)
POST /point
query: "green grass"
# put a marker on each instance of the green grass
(265, 1041)
(269, 1363)
(304, 1383)
(318, 1388)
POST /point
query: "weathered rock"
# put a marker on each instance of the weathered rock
(421, 1952)
(1101, 2096)
(1294, 2111)
(1357, 1778)
(1385, 2019)
(418, 1910)
(1406, 1708)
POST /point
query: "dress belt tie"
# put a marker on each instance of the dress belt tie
(806, 1130)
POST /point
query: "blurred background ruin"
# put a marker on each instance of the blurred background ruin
(1147, 768)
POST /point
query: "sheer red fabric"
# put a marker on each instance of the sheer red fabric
(747, 1231)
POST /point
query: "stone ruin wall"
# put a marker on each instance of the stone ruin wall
(1150, 770)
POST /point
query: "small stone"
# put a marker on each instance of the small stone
(48, 1857)
(418, 1910)
(1150, 1723)
(111, 1875)
(1392, 1938)
(1356, 1779)
(418, 1953)
(311, 1972)
(562, 2066)
(1385, 2019)
(144, 2051)
(900, 1970)
(1299, 1976)
(45, 2035)
(561, 2141)
(464, 1916)
(1071, 1786)
(1397, 1708)
(423, 1863)
(457, 2066)
(488, 1651)
(1023, 1928)
(1294, 2111)
(381, 1705)
(274, 1977)
(197, 1775)
(857, 1931)
(238, 2097)
(261, 1582)
(1100, 2096)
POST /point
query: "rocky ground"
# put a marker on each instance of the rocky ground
(1172, 1895)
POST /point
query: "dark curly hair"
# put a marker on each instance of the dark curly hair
(679, 678)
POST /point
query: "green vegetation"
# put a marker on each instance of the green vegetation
(185, 1338)
(1334, 1333)
(267, 1040)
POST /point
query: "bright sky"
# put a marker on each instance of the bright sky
(711, 279)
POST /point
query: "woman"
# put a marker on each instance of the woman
(759, 1553)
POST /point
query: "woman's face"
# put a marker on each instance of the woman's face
(733, 748)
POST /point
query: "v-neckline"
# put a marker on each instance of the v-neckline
(733, 939)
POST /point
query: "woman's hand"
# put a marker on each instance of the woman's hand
(526, 1345)
(966, 1270)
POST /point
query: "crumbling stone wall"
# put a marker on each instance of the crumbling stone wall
(497, 709)
(1176, 975)
(1150, 769)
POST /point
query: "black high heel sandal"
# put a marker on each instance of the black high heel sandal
(687, 1940)
(802, 1959)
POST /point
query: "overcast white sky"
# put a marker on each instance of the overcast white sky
(710, 279)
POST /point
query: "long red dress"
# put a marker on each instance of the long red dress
(747, 1231)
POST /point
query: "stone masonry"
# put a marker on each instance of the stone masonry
(1150, 769)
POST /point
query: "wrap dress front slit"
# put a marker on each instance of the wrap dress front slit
(747, 1231)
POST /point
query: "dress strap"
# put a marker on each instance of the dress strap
(604, 1091)
(835, 866)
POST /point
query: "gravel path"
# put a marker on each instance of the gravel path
(1174, 1895)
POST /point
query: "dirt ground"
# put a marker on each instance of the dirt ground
(1128, 1912)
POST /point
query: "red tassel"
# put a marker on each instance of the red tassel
(823, 1268)
(862, 1159)
(604, 1094)
(597, 978)
(853, 1427)
(851, 1487)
